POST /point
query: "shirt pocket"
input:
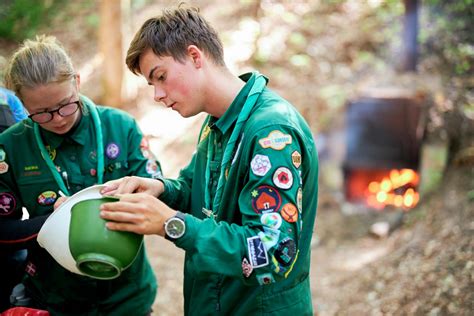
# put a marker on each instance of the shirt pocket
(38, 194)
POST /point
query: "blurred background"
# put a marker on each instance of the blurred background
(387, 88)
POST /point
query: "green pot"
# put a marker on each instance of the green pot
(99, 252)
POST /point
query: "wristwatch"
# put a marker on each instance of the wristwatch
(175, 227)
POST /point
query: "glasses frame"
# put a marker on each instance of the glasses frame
(58, 110)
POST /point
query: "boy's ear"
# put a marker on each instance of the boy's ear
(196, 55)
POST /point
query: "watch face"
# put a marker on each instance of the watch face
(175, 228)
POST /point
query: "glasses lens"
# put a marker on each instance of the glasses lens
(68, 109)
(42, 117)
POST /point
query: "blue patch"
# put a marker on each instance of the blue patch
(257, 254)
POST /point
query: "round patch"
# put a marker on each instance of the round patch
(285, 251)
(7, 203)
(151, 166)
(265, 199)
(283, 178)
(3, 155)
(93, 172)
(47, 198)
(112, 151)
(272, 220)
(260, 165)
(3, 167)
(289, 213)
(299, 199)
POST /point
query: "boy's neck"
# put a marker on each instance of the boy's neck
(225, 88)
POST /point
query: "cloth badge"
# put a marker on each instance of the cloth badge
(144, 144)
(257, 254)
(247, 268)
(112, 151)
(264, 279)
(51, 152)
(285, 252)
(299, 200)
(271, 220)
(47, 198)
(3, 167)
(265, 199)
(275, 140)
(7, 203)
(269, 238)
(30, 268)
(296, 159)
(260, 165)
(283, 178)
(151, 166)
(3, 155)
(289, 212)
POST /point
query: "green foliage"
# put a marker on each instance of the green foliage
(22, 18)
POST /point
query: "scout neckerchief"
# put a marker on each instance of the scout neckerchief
(254, 93)
(100, 150)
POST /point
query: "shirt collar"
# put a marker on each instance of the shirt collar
(232, 113)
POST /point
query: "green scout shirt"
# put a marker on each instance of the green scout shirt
(251, 253)
(26, 181)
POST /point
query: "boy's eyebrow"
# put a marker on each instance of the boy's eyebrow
(150, 75)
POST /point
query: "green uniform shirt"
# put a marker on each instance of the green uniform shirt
(250, 254)
(26, 181)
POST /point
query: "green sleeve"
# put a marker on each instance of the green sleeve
(177, 192)
(266, 243)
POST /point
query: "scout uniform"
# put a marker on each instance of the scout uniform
(251, 188)
(26, 180)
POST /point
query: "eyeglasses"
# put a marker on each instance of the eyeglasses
(63, 110)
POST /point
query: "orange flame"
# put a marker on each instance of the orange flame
(390, 190)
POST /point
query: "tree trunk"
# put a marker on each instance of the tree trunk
(110, 46)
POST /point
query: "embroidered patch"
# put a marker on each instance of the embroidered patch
(271, 220)
(296, 159)
(283, 178)
(47, 198)
(7, 203)
(299, 200)
(3, 155)
(269, 237)
(289, 213)
(112, 151)
(3, 167)
(275, 140)
(265, 199)
(51, 152)
(93, 172)
(285, 252)
(246, 268)
(30, 268)
(151, 166)
(257, 254)
(264, 279)
(260, 165)
(205, 132)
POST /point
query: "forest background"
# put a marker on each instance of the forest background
(319, 54)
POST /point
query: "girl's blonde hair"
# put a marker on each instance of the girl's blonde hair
(38, 62)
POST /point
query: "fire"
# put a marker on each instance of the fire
(397, 189)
